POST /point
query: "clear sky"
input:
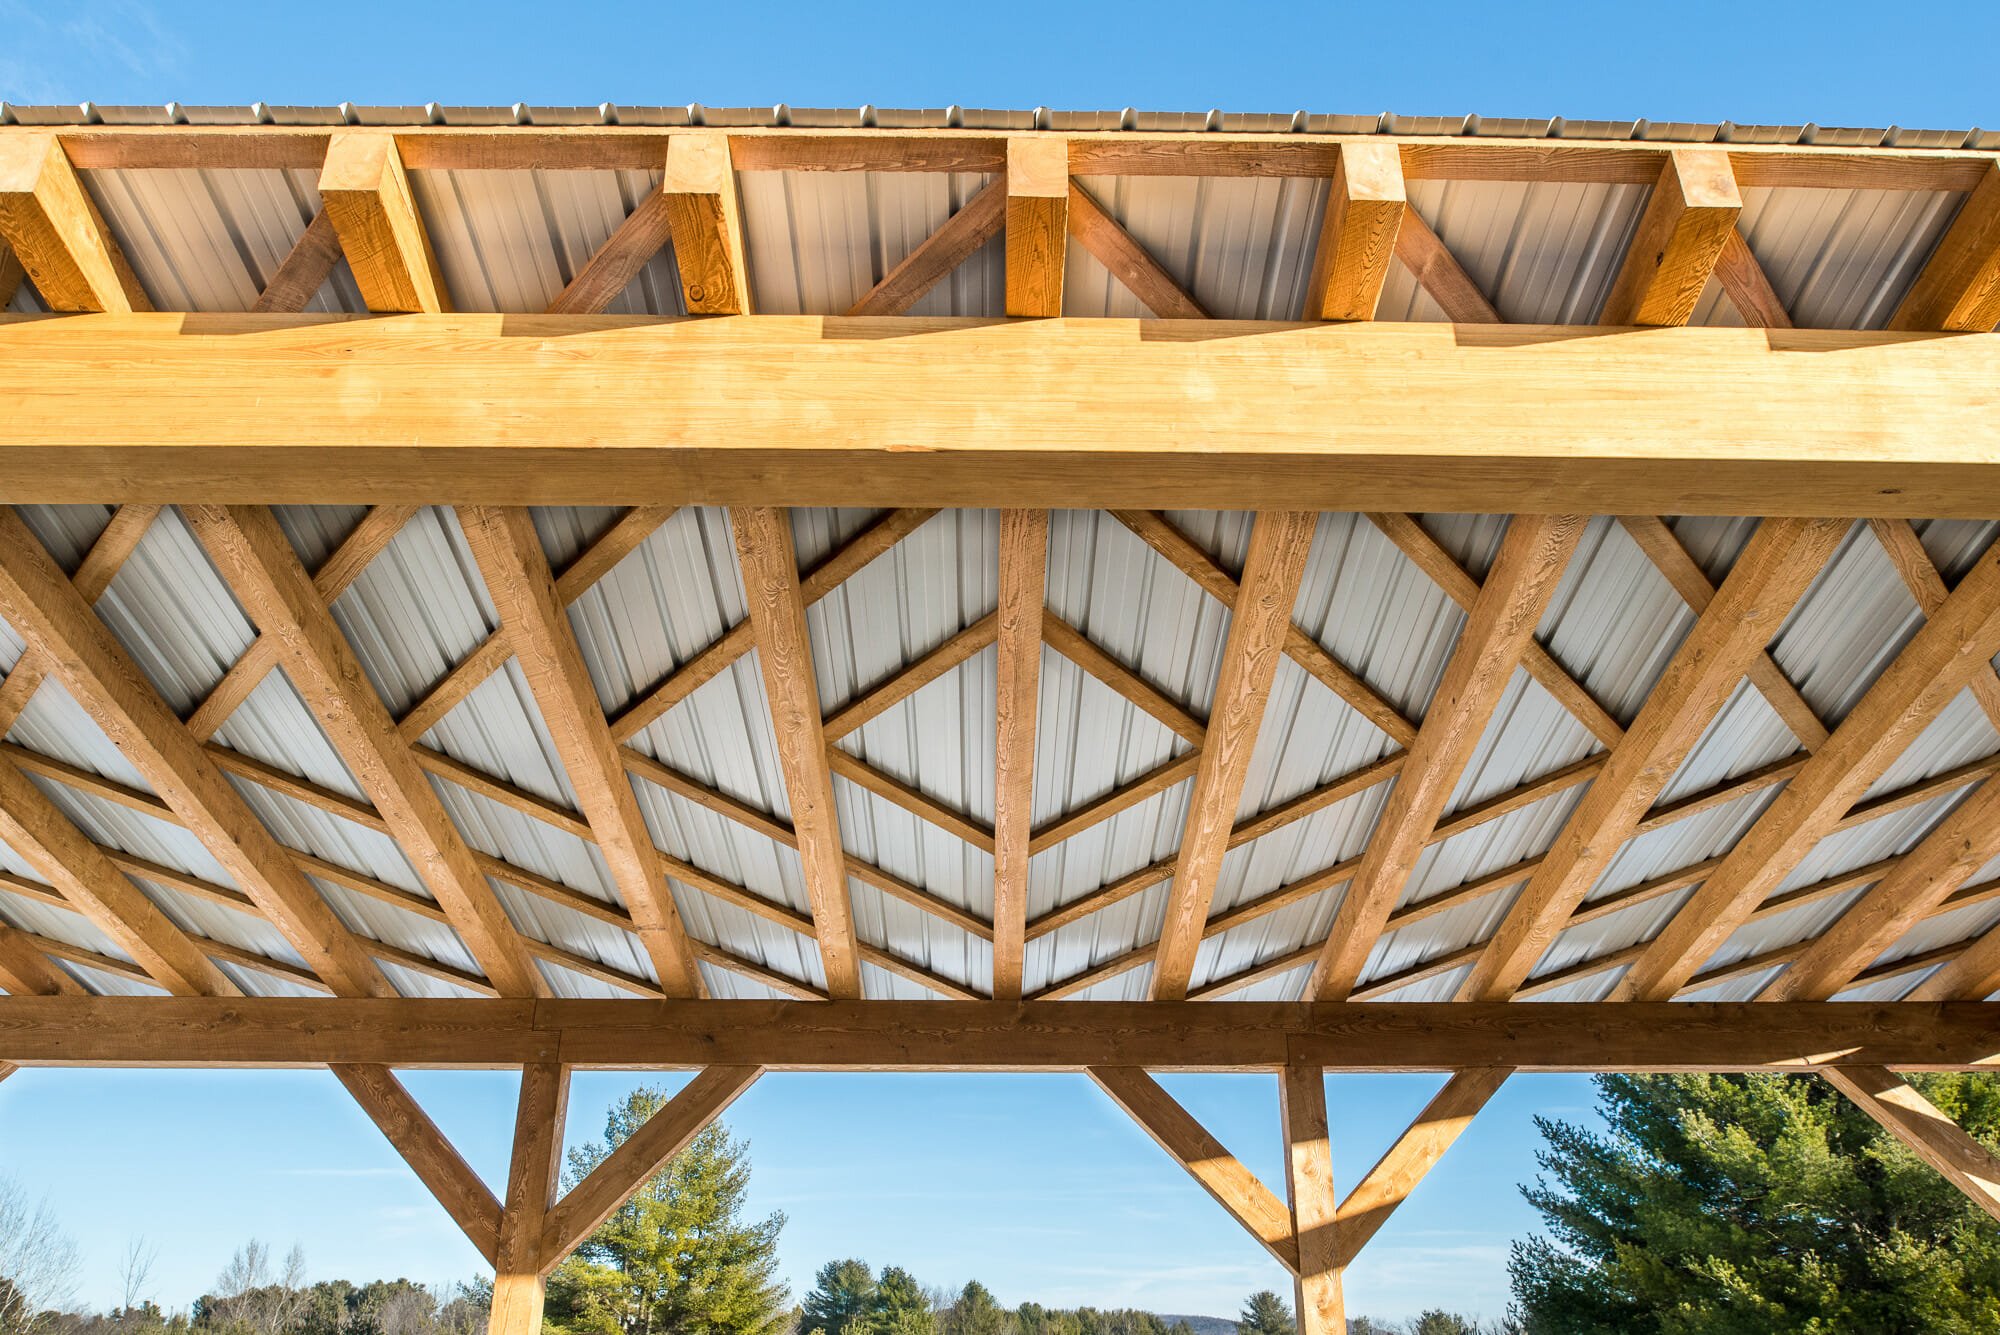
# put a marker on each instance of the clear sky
(1036, 1185)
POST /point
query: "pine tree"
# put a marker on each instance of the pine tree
(1265, 1313)
(842, 1301)
(678, 1257)
(976, 1313)
(901, 1305)
(1755, 1205)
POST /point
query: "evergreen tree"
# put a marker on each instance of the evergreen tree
(901, 1306)
(1755, 1205)
(1265, 1313)
(842, 1299)
(678, 1257)
(1439, 1322)
(975, 1313)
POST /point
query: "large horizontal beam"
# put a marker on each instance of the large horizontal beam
(798, 410)
(882, 1035)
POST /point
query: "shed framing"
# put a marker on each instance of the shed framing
(641, 649)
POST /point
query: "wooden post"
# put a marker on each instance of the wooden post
(518, 1283)
(1315, 1209)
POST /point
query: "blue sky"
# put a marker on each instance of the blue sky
(1036, 1185)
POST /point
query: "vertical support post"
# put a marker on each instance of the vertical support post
(366, 195)
(518, 1284)
(1315, 1209)
(57, 236)
(1357, 238)
(705, 219)
(1037, 224)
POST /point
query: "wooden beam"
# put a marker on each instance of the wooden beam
(1280, 542)
(989, 1035)
(366, 194)
(953, 243)
(1959, 287)
(502, 410)
(621, 1173)
(258, 564)
(624, 254)
(12, 275)
(430, 1155)
(304, 270)
(1037, 224)
(519, 1287)
(1497, 631)
(1748, 286)
(705, 216)
(1128, 261)
(1439, 273)
(517, 575)
(1687, 223)
(1770, 576)
(1936, 664)
(46, 609)
(26, 972)
(1365, 206)
(1219, 1172)
(1928, 1133)
(1396, 1174)
(1316, 1231)
(784, 651)
(1925, 582)
(1024, 553)
(49, 221)
(36, 829)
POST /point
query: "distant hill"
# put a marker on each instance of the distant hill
(1202, 1325)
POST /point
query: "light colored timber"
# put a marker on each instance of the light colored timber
(1440, 274)
(705, 217)
(1364, 212)
(1186, 555)
(1770, 576)
(1396, 1174)
(366, 194)
(1190, 1145)
(518, 1284)
(1921, 577)
(258, 564)
(37, 830)
(1501, 624)
(988, 1035)
(621, 1173)
(910, 679)
(49, 221)
(1688, 579)
(623, 256)
(822, 411)
(1280, 541)
(517, 575)
(1128, 261)
(1154, 781)
(1080, 649)
(1037, 224)
(1921, 880)
(909, 797)
(1748, 286)
(1959, 288)
(954, 242)
(1309, 1189)
(430, 1155)
(1928, 1133)
(1024, 555)
(1429, 555)
(1972, 974)
(705, 665)
(1936, 664)
(44, 607)
(778, 629)
(304, 270)
(1688, 221)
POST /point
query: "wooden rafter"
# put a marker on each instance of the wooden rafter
(258, 564)
(1959, 288)
(42, 604)
(1440, 274)
(1024, 544)
(1501, 624)
(1777, 566)
(705, 218)
(1366, 202)
(778, 629)
(1037, 224)
(1921, 577)
(114, 546)
(613, 265)
(1317, 1236)
(365, 192)
(517, 575)
(1937, 663)
(430, 1155)
(304, 270)
(955, 240)
(1933, 1137)
(1128, 261)
(1280, 542)
(50, 223)
(26, 971)
(1748, 286)
(1687, 223)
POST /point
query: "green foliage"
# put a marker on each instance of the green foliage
(842, 1299)
(975, 1313)
(1755, 1205)
(1265, 1313)
(1439, 1322)
(678, 1257)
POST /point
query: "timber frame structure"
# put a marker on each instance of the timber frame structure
(970, 591)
